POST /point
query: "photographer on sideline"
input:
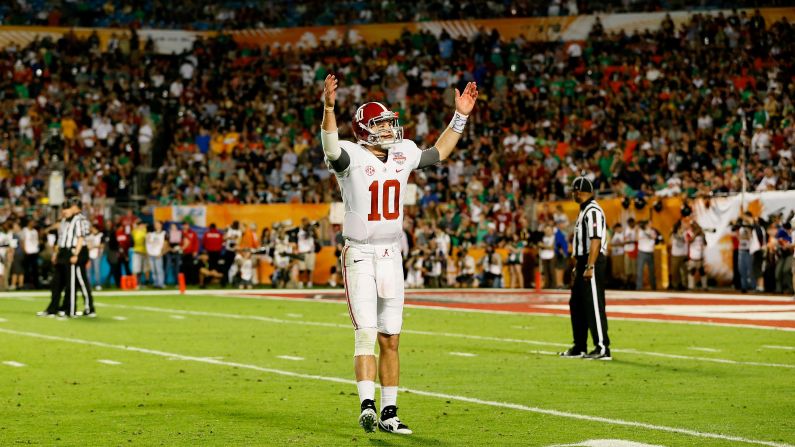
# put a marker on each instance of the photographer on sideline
(308, 246)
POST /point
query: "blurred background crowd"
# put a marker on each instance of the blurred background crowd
(698, 110)
(242, 14)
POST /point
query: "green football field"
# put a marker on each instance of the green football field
(223, 370)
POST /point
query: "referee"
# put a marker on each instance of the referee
(70, 259)
(587, 303)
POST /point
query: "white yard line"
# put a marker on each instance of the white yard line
(295, 315)
(3, 320)
(290, 357)
(430, 333)
(786, 348)
(177, 317)
(14, 364)
(696, 348)
(119, 318)
(463, 354)
(512, 406)
(433, 334)
(109, 362)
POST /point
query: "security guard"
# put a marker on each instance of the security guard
(587, 303)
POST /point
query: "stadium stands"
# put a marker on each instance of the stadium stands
(664, 112)
(228, 14)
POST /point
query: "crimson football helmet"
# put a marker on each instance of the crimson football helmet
(371, 115)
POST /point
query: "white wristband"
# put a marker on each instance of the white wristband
(458, 122)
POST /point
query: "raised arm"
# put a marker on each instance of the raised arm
(329, 98)
(329, 138)
(464, 103)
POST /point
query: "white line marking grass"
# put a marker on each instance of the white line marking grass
(464, 354)
(14, 364)
(295, 315)
(3, 320)
(177, 317)
(512, 406)
(434, 334)
(290, 357)
(109, 362)
(696, 348)
(607, 443)
(786, 348)
(119, 318)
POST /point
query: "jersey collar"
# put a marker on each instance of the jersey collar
(584, 204)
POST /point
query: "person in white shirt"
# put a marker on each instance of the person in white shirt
(760, 143)
(414, 276)
(647, 238)
(30, 247)
(232, 238)
(697, 245)
(630, 251)
(617, 254)
(246, 268)
(373, 175)
(547, 255)
(155, 250)
(679, 250)
(768, 182)
(95, 249)
(744, 232)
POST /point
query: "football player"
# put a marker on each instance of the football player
(373, 173)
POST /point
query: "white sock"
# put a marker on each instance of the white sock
(366, 390)
(388, 396)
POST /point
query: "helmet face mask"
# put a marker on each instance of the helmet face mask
(375, 125)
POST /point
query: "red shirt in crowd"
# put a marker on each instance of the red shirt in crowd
(190, 242)
(213, 240)
(123, 238)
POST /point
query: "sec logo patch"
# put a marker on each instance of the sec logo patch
(369, 170)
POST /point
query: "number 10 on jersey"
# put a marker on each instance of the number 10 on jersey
(390, 210)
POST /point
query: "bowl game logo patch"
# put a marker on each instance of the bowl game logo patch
(369, 170)
(399, 158)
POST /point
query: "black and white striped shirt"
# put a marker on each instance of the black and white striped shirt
(73, 229)
(590, 225)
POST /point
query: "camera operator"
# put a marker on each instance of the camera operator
(433, 265)
(283, 255)
(308, 245)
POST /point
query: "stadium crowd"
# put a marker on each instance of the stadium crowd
(237, 14)
(671, 111)
(156, 254)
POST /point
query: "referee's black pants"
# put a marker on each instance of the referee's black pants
(587, 306)
(60, 282)
(73, 278)
(81, 281)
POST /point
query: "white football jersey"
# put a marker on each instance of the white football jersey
(373, 191)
